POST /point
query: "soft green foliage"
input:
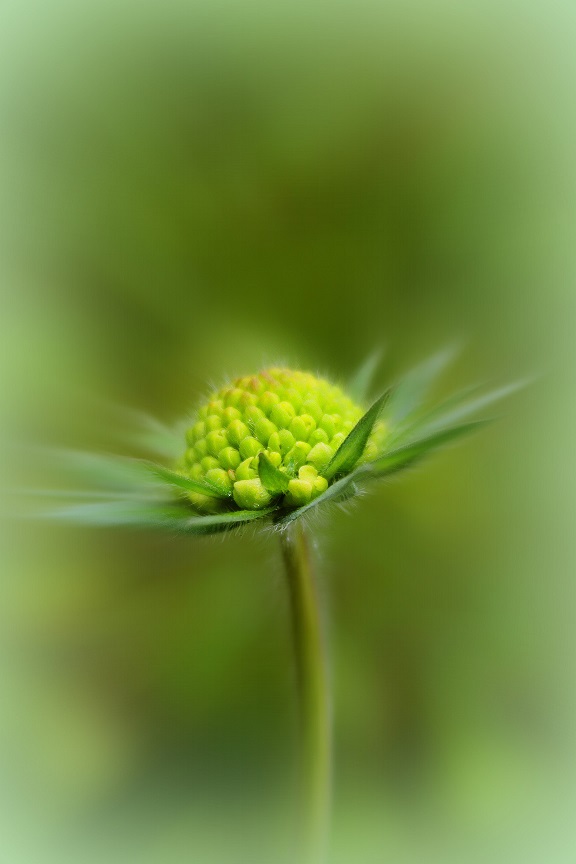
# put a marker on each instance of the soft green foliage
(186, 483)
(360, 384)
(274, 446)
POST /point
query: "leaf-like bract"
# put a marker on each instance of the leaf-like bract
(460, 406)
(156, 437)
(99, 471)
(405, 456)
(217, 522)
(150, 515)
(359, 385)
(185, 483)
(118, 512)
(275, 481)
(407, 396)
(352, 448)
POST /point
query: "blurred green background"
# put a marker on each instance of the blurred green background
(190, 191)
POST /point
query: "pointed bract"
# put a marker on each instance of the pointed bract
(273, 480)
(352, 448)
(100, 471)
(218, 522)
(285, 454)
(359, 385)
(186, 483)
(149, 515)
(405, 456)
(158, 438)
(412, 389)
(118, 512)
(460, 406)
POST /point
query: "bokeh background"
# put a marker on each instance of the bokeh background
(189, 191)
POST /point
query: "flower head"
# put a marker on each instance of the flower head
(270, 435)
(272, 446)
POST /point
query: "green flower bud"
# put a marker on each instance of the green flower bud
(215, 407)
(275, 458)
(328, 425)
(229, 458)
(208, 463)
(263, 429)
(320, 455)
(319, 436)
(307, 472)
(237, 431)
(216, 441)
(313, 408)
(230, 414)
(293, 398)
(282, 414)
(250, 447)
(310, 475)
(251, 494)
(253, 414)
(286, 439)
(320, 485)
(299, 493)
(220, 479)
(302, 426)
(274, 443)
(199, 431)
(233, 397)
(337, 440)
(298, 420)
(213, 422)
(267, 401)
(200, 450)
(206, 503)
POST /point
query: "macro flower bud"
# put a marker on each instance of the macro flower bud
(251, 494)
(320, 455)
(296, 419)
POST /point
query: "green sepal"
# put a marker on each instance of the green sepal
(119, 511)
(352, 448)
(185, 483)
(403, 457)
(152, 493)
(458, 407)
(149, 515)
(408, 395)
(273, 480)
(158, 438)
(98, 471)
(359, 385)
(218, 522)
(149, 434)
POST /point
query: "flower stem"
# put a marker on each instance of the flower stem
(314, 692)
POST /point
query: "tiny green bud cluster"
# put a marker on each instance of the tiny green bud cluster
(296, 419)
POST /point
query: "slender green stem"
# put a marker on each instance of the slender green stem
(314, 692)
